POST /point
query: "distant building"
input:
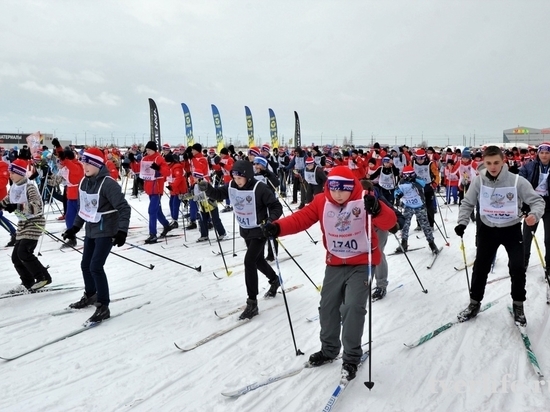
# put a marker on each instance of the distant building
(528, 135)
(9, 140)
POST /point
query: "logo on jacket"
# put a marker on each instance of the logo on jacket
(510, 196)
(343, 221)
(239, 203)
(356, 211)
(497, 200)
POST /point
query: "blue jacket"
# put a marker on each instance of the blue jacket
(531, 171)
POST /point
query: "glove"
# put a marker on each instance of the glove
(120, 238)
(271, 230)
(10, 207)
(70, 233)
(155, 167)
(203, 185)
(33, 176)
(372, 206)
(459, 230)
(169, 187)
(394, 229)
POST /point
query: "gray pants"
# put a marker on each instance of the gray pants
(343, 307)
(381, 271)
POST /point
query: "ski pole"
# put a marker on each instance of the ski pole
(227, 271)
(442, 221)
(198, 269)
(410, 264)
(296, 350)
(465, 262)
(234, 235)
(369, 384)
(444, 237)
(539, 253)
(47, 212)
(297, 264)
(135, 210)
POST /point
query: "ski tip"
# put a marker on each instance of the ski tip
(198, 269)
(217, 277)
(151, 267)
(229, 273)
(369, 385)
(425, 291)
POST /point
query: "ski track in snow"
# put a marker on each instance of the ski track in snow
(132, 364)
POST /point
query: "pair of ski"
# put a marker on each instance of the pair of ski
(340, 388)
(86, 326)
(56, 288)
(521, 329)
(61, 312)
(224, 331)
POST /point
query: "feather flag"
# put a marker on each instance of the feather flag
(188, 125)
(218, 125)
(249, 126)
(297, 135)
(273, 130)
(155, 123)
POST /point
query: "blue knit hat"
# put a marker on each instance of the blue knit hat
(466, 153)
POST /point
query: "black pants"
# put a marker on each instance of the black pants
(254, 260)
(488, 240)
(26, 264)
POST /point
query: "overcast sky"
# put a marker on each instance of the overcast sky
(434, 69)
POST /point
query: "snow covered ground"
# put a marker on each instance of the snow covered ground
(131, 363)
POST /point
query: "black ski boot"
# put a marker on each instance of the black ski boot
(11, 243)
(434, 248)
(349, 371)
(404, 245)
(272, 292)
(470, 312)
(151, 239)
(192, 225)
(251, 309)
(84, 302)
(101, 313)
(69, 243)
(519, 314)
(318, 359)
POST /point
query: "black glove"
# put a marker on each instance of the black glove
(55, 142)
(394, 229)
(131, 157)
(155, 167)
(33, 176)
(120, 238)
(271, 230)
(10, 207)
(372, 205)
(203, 185)
(70, 233)
(459, 230)
(169, 187)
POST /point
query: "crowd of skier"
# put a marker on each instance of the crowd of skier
(358, 196)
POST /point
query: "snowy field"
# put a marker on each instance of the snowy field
(130, 362)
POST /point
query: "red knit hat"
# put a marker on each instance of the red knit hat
(408, 170)
(266, 148)
(93, 156)
(19, 167)
(420, 153)
(341, 178)
(166, 146)
(310, 161)
(254, 151)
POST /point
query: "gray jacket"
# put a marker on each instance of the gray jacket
(525, 194)
(110, 198)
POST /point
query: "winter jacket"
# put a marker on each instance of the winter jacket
(30, 226)
(156, 187)
(267, 205)
(110, 198)
(525, 194)
(313, 213)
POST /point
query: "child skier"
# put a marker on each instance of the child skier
(411, 189)
(253, 203)
(342, 212)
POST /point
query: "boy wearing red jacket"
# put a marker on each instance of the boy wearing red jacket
(342, 212)
(177, 185)
(154, 172)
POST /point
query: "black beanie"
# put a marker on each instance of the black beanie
(224, 151)
(197, 147)
(151, 145)
(169, 158)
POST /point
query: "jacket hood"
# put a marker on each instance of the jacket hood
(245, 168)
(346, 173)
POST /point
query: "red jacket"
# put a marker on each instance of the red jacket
(111, 167)
(156, 187)
(4, 179)
(199, 164)
(177, 180)
(76, 174)
(226, 164)
(313, 213)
